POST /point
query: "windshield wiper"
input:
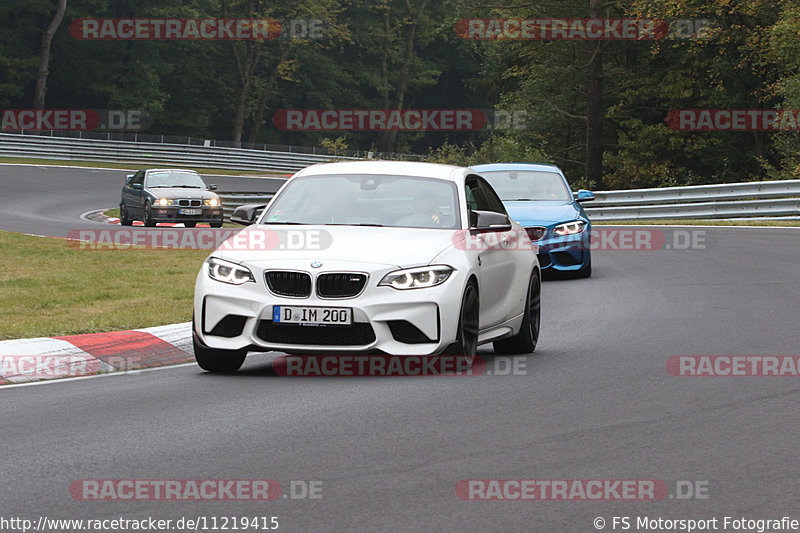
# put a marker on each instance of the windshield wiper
(285, 223)
(174, 187)
(364, 224)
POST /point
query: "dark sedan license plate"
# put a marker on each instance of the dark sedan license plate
(191, 211)
(320, 316)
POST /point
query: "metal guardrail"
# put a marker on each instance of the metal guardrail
(762, 199)
(232, 200)
(34, 146)
(136, 137)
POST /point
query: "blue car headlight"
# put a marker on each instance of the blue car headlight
(570, 228)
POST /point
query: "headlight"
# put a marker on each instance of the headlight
(211, 201)
(570, 228)
(165, 201)
(227, 272)
(417, 278)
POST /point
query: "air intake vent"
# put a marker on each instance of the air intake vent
(356, 334)
(407, 333)
(230, 326)
(535, 232)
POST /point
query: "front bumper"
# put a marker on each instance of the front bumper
(564, 254)
(173, 214)
(385, 320)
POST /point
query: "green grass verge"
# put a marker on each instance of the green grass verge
(49, 288)
(786, 223)
(133, 166)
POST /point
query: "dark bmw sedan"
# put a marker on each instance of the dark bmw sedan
(169, 195)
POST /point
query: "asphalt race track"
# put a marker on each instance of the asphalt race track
(49, 201)
(595, 401)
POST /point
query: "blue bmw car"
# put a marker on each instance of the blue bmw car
(540, 199)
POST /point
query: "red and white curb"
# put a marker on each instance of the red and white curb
(43, 358)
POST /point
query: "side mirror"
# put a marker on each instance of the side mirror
(584, 196)
(247, 214)
(137, 186)
(212, 187)
(128, 179)
(484, 221)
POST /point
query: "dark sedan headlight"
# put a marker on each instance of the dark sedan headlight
(570, 228)
(163, 202)
(227, 272)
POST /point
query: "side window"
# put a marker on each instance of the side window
(471, 203)
(138, 177)
(492, 200)
(476, 198)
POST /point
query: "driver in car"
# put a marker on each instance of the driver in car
(425, 211)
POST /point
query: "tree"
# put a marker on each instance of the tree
(44, 63)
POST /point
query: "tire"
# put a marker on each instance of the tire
(190, 224)
(586, 270)
(466, 345)
(123, 216)
(216, 224)
(525, 341)
(148, 221)
(213, 360)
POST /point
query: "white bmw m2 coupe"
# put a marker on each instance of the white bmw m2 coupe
(372, 257)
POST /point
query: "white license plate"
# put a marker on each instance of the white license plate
(191, 211)
(286, 314)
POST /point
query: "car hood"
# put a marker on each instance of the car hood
(180, 192)
(402, 247)
(541, 213)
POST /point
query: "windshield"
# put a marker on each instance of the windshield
(394, 201)
(174, 179)
(528, 185)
